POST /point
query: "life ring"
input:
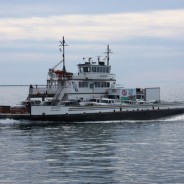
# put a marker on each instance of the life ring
(124, 92)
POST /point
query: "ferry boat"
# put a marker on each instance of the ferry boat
(91, 94)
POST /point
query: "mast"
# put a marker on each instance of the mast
(63, 51)
(108, 52)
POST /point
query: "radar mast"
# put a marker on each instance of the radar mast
(108, 52)
(63, 44)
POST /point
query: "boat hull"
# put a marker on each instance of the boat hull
(100, 116)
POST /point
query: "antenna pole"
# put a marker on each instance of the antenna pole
(63, 50)
(63, 53)
(108, 52)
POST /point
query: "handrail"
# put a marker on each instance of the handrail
(42, 90)
(58, 91)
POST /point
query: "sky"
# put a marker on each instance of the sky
(145, 36)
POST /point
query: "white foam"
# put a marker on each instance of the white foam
(8, 121)
(175, 118)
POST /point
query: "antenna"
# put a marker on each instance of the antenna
(108, 52)
(98, 58)
(88, 58)
(63, 51)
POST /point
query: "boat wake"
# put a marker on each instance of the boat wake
(24, 123)
(175, 118)
(4, 122)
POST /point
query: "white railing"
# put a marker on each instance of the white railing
(42, 90)
(51, 90)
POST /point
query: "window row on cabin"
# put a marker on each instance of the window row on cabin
(95, 84)
(95, 69)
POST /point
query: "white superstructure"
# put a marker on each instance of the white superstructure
(92, 80)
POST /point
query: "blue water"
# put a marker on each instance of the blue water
(104, 152)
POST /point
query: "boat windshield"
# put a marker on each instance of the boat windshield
(107, 101)
(94, 100)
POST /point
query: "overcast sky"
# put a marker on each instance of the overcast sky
(146, 37)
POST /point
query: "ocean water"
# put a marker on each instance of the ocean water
(91, 153)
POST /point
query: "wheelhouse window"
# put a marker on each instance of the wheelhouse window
(83, 84)
(86, 69)
(102, 84)
(94, 69)
(107, 70)
(100, 69)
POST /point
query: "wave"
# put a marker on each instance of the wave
(8, 121)
(175, 118)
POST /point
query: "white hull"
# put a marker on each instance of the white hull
(62, 110)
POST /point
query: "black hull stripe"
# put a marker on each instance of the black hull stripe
(100, 116)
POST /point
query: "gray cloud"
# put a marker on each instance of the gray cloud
(163, 24)
(42, 8)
